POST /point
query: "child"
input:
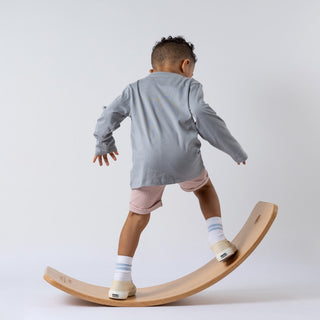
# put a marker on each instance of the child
(167, 113)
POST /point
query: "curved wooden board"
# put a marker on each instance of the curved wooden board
(246, 241)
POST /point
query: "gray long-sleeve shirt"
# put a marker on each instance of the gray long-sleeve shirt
(167, 113)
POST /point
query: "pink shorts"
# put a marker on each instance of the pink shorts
(148, 198)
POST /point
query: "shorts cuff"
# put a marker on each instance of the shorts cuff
(197, 187)
(135, 209)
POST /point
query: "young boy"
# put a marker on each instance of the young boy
(167, 113)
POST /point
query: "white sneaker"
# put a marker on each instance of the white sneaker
(122, 289)
(223, 249)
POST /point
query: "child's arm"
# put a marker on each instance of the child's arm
(109, 121)
(211, 127)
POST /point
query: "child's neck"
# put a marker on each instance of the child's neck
(166, 69)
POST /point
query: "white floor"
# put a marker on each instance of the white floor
(257, 289)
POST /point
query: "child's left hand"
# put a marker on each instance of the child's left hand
(105, 157)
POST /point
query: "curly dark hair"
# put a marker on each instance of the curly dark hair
(172, 50)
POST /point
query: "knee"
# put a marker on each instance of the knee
(140, 220)
(204, 189)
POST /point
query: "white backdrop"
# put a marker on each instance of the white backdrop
(61, 61)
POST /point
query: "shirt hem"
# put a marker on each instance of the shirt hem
(159, 182)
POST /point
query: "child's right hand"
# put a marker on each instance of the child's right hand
(105, 157)
(243, 162)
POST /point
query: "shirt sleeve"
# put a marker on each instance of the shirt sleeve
(211, 127)
(110, 119)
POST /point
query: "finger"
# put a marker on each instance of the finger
(117, 152)
(244, 162)
(100, 160)
(106, 159)
(95, 158)
(113, 156)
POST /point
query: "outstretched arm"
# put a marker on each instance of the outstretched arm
(211, 127)
(109, 121)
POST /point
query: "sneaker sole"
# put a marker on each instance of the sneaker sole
(226, 254)
(120, 295)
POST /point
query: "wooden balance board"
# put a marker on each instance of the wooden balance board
(246, 241)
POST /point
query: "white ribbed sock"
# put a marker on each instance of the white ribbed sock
(215, 230)
(123, 268)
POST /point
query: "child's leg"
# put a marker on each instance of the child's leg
(210, 207)
(131, 231)
(128, 242)
(208, 200)
(122, 285)
(143, 200)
